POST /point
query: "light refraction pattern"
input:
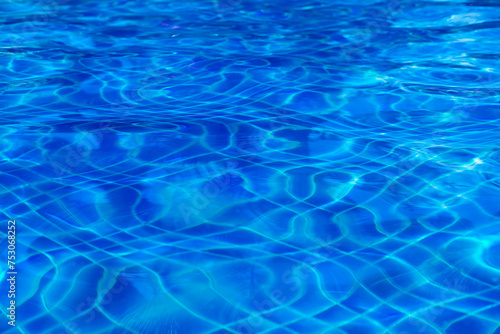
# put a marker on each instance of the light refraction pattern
(235, 166)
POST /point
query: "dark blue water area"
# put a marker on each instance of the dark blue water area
(234, 166)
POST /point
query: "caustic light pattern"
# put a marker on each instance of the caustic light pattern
(235, 166)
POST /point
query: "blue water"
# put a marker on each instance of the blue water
(245, 166)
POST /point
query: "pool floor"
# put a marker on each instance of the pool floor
(235, 166)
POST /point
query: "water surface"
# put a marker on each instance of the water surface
(236, 166)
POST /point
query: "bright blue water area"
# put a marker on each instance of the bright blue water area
(247, 166)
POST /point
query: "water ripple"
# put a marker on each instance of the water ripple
(237, 166)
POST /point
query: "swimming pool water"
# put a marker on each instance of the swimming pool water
(237, 166)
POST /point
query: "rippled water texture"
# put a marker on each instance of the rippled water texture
(234, 166)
